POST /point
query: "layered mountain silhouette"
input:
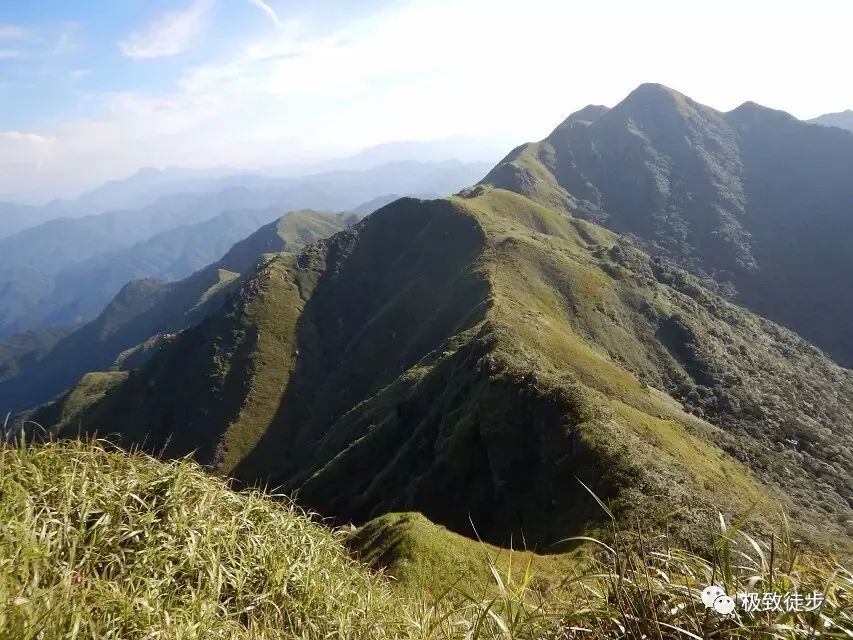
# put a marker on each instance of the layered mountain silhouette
(145, 309)
(65, 270)
(472, 359)
(753, 201)
(490, 358)
(842, 119)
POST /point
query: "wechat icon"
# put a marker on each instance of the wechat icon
(715, 597)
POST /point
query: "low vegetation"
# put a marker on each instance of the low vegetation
(493, 349)
(106, 544)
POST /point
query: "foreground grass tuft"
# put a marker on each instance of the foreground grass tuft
(96, 544)
(101, 544)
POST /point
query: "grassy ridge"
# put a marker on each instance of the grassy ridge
(98, 544)
(491, 349)
(754, 202)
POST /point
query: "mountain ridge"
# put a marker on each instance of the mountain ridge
(724, 195)
(540, 347)
(841, 119)
(146, 308)
(47, 271)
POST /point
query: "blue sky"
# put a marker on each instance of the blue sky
(92, 90)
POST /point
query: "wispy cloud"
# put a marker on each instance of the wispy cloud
(267, 9)
(168, 34)
(9, 54)
(287, 95)
(12, 32)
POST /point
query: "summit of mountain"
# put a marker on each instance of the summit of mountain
(754, 202)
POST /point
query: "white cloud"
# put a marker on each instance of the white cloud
(67, 40)
(169, 34)
(267, 9)
(9, 54)
(12, 32)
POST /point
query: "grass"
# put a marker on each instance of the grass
(106, 544)
(423, 556)
(96, 544)
(438, 348)
(91, 388)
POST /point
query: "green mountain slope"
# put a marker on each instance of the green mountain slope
(145, 309)
(754, 201)
(473, 358)
(107, 544)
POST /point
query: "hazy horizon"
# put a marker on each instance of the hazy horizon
(92, 93)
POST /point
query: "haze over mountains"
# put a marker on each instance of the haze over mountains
(146, 309)
(842, 119)
(498, 345)
(65, 270)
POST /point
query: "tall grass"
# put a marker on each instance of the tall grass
(96, 544)
(99, 544)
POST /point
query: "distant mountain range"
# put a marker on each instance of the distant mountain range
(146, 309)
(755, 202)
(149, 184)
(65, 270)
(842, 119)
(474, 357)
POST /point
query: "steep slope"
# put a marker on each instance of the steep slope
(472, 358)
(145, 309)
(755, 202)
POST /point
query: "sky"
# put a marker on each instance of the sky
(92, 90)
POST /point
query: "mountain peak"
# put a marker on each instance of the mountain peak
(653, 92)
(652, 100)
(750, 112)
(841, 119)
(148, 171)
